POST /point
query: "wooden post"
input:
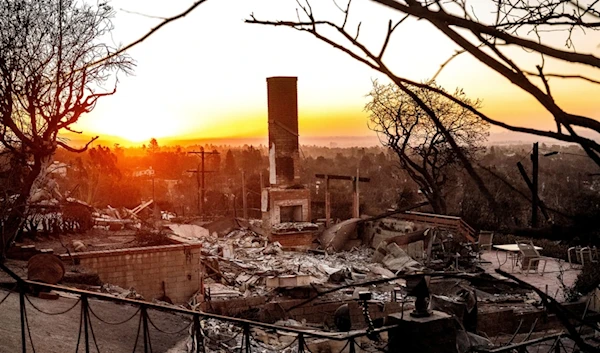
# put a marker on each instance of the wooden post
(529, 183)
(327, 202)
(355, 194)
(198, 190)
(244, 196)
(356, 210)
(202, 189)
(262, 186)
(534, 189)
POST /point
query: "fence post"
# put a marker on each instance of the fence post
(301, 343)
(84, 314)
(145, 328)
(197, 336)
(22, 309)
(246, 339)
(352, 346)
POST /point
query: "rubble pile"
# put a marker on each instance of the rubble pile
(121, 218)
(285, 227)
(244, 263)
(120, 292)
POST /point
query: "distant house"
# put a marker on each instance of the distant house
(145, 172)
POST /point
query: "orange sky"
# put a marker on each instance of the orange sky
(205, 76)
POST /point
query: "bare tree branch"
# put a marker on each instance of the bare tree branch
(147, 35)
(77, 150)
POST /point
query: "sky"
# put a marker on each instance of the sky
(204, 76)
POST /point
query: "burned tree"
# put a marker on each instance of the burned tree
(53, 66)
(422, 149)
(490, 36)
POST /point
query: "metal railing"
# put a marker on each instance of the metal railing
(87, 341)
(556, 347)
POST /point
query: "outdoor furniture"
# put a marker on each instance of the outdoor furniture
(580, 254)
(483, 243)
(512, 253)
(530, 258)
(485, 240)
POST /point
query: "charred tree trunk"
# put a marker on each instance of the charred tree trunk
(437, 202)
(18, 210)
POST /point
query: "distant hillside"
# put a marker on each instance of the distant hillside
(498, 138)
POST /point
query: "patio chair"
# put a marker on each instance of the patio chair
(530, 258)
(580, 254)
(485, 240)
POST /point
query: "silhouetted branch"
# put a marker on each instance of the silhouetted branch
(77, 150)
(581, 77)
(445, 63)
(147, 35)
(143, 14)
(388, 35)
(376, 63)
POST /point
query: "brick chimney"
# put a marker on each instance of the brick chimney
(282, 95)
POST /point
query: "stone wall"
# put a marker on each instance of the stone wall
(145, 269)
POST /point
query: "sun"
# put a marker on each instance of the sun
(135, 125)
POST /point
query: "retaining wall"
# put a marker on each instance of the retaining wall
(146, 268)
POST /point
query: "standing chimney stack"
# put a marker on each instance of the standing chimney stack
(282, 96)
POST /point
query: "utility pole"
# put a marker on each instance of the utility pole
(244, 195)
(356, 196)
(197, 171)
(534, 189)
(327, 202)
(200, 174)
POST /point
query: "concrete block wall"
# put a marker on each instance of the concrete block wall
(316, 312)
(506, 321)
(324, 312)
(146, 268)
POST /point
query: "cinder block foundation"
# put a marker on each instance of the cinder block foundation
(146, 268)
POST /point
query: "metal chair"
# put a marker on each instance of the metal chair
(530, 258)
(485, 240)
(580, 254)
